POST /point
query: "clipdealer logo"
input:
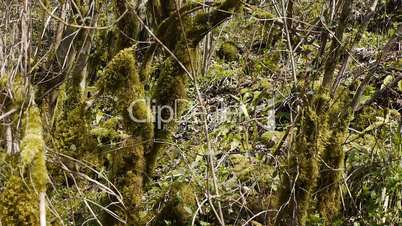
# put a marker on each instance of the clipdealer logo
(160, 114)
(149, 111)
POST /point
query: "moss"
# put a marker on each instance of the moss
(367, 117)
(180, 206)
(120, 79)
(263, 14)
(304, 165)
(3, 81)
(316, 162)
(171, 85)
(170, 92)
(18, 91)
(242, 166)
(33, 149)
(127, 174)
(331, 177)
(18, 206)
(107, 130)
(271, 138)
(333, 157)
(195, 27)
(128, 25)
(71, 132)
(228, 51)
(32, 142)
(15, 98)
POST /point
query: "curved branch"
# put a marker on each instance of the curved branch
(199, 27)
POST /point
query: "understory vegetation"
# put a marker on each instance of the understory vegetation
(195, 112)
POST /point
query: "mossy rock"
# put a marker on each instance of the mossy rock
(228, 51)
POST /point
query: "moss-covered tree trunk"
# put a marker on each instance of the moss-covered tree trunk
(316, 159)
(180, 33)
(300, 180)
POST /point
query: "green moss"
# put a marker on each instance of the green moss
(204, 22)
(170, 92)
(180, 206)
(107, 130)
(262, 14)
(316, 162)
(128, 25)
(3, 81)
(71, 132)
(242, 166)
(228, 51)
(32, 142)
(120, 79)
(368, 116)
(329, 199)
(171, 85)
(33, 149)
(18, 206)
(304, 165)
(128, 175)
(333, 157)
(271, 138)
(18, 90)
